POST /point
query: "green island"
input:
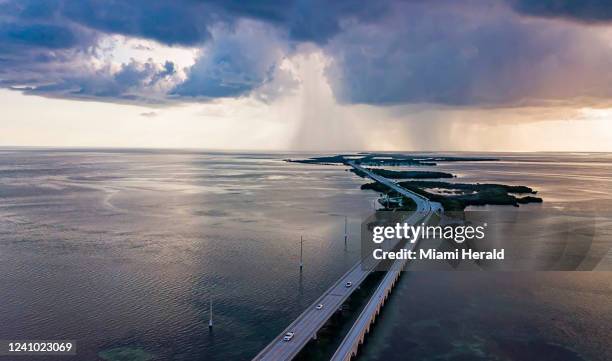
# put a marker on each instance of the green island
(452, 196)
(404, 174)
(388, 159)
(457, 196)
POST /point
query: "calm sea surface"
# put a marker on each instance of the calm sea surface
(122, 250)
(518, 316)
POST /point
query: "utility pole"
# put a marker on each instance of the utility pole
(301, 252)
(345, 230)
(210, 321)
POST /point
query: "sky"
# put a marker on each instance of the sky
(440, 75)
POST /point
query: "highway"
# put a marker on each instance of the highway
(356, 335)
(306, 325)
(350, 344)
(424, 205)
(309, 322)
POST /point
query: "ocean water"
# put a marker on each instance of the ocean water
(559, 316)
(122, 250)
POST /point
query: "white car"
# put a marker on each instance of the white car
(288, 336)
(348, 284)
(319, 306)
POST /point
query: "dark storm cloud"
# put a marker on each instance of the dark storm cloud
(50, 47)
(186, 22)
(579, 10)
(482, 55)
(122, 86)
(41, 42)
(169, 22)
(235, 62)
(469, 53)
(47, 36)
(305, 20)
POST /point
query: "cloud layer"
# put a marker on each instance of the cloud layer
(444, 52)
(483, 55)
(235, 62)
(590, 11)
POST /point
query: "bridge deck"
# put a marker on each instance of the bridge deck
(356, 335)
(306, 325)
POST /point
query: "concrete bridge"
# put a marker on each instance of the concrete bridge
(305, 327)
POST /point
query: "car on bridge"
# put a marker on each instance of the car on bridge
(319, 306)
(348, 284)
(288, 336)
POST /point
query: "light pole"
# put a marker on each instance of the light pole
(301, 252)
(210, 321)
(345, 230)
